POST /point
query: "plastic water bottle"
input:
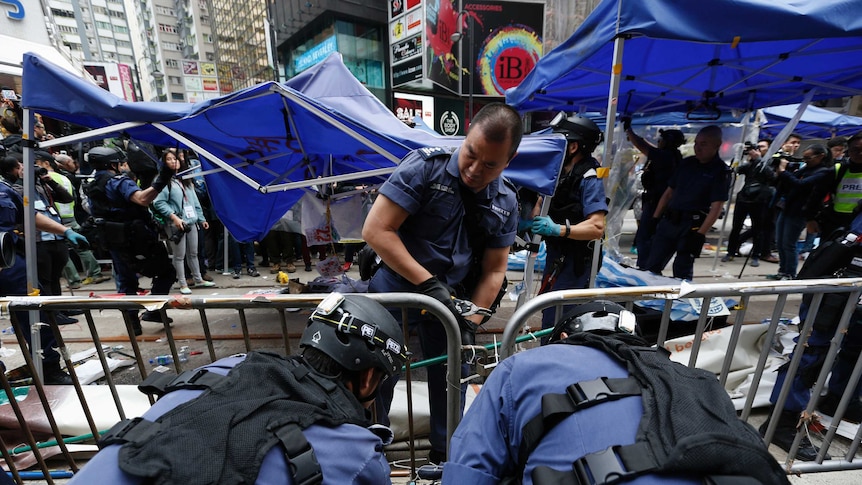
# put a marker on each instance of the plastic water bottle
(162, 360)
(184, 353)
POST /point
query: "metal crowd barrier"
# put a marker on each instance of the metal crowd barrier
(277, 303)
(776, 293)
(780, 290)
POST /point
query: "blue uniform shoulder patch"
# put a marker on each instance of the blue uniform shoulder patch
(427, 153)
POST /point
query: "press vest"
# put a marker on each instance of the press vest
(848, 190)
(66, 210)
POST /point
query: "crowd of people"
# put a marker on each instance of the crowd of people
(442, 225)
(126, 210)
(793, 198)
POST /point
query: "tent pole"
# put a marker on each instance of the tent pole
(226, 267)
(746, 124)
(30, 242)
(790, 126)
(610, 122)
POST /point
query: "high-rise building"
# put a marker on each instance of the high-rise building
(97, 32)
(177, 52)
(242, 42)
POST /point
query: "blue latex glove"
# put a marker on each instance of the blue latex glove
(544, 226)
(76, 239)
(524, 224)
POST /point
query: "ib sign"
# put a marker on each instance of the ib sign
(15, 10)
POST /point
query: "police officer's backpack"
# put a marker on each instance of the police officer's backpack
(234, 423)
(689, 426)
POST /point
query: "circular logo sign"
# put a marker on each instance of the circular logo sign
(449, 123)
(507, 56)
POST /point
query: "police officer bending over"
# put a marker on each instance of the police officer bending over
(597, 405)
(689, 206)
(124, 226)
(266, 419)
(577, 212)
(448, 219)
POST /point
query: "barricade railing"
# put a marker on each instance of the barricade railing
(745, 292)
(776, 293)
(118, 308)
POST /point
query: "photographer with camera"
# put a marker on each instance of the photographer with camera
(13, 281)
(179, 207)
(52, 253)
(752, 201)
(795, 189)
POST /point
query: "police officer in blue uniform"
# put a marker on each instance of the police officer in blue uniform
(447, 220)
(837, 257)
(339, 360)
(124, 227)
(13, 280)
(689, 206)
(490, 443)
(662, 160)
(577, 212)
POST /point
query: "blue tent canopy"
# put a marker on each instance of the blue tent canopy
(260, 145)
(672, 55)
(814, 123)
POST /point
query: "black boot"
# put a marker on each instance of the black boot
(829, 404)
(155, 316)
(53, 375)
(785, 433)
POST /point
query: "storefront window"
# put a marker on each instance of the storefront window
(361, 47)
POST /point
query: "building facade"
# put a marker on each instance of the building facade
(243, 45)
(177, 50)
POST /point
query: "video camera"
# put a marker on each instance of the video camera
(178, 235)
(40, 171)
(793, 163)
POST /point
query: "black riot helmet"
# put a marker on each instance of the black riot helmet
(357, 332)
(580, 129)
(101, 158)
(601, 316)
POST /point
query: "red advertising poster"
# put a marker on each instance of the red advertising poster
(413, 3)
(406, 109)
(501, 42)
(127, 82)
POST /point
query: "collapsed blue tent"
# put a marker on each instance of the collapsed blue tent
(699, 57)
(814, 123)
(258, 145)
